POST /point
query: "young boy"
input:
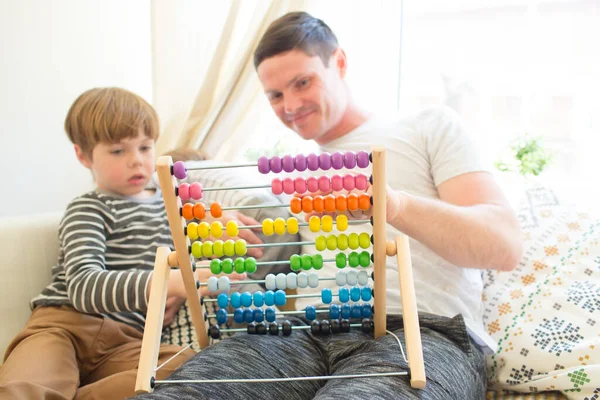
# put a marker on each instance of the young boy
(83, 338)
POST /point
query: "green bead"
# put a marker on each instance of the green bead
(250, 265)
(342, 241)
(295, 263)
(197, 249)
(229, 248)
(306, 262)
(353, 259)
(215, 266)
(238, 265)
(207, 248)
(353, 242)
(227, 266)
(317, 261)
(364, 240)
(340, 260)
(321, 243)
(364, 259)
(331, 242)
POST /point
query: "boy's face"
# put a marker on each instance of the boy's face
(307, 96)
(123, 168)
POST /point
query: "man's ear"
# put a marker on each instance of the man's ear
(82, 157)
(340, 61)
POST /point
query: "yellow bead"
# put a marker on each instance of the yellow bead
(327, 222)
(216, 229)
(267, 226)
(320, 243)
(229, 248)
(341, 221)
(231, 228)
(240, 247)
(292, 225)
(353, 242)
(331, 242)
(342, 241)
(279, 226)
(364, 240)
(197, 249)
(207, 248)
(218, 248)
(203, 230)
(314, 224)
(192, 230)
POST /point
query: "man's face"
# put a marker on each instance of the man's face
(307, 96)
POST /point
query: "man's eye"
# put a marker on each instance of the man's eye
(275, 97)
(303, 82)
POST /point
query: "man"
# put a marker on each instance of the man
(438, 194)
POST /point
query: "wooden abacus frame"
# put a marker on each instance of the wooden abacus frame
(165, 259)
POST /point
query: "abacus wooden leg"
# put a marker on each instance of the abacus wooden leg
(412, 332)
(154, 321)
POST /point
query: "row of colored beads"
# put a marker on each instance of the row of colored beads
(227, 265)
(313, 184)
(325, 327)
(204, 230)
(351, 278)
(259, 328)
(343, 241)
(291, 280)
(306, 261)
(219, 248)
(353, 259)
(345, 311)
(187, 191)
(345, 294)
(246, 299)
(313, 162)
(280, 226)
(330, 203)
(190, 211)
(325, 223)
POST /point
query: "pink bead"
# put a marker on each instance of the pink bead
(277, 186)
(312, 184)
(300, 185)
(349, 182)
(337, 183)
(184, 191)
(324, 183)
(361, 182)
(288, 186)
(196, 191)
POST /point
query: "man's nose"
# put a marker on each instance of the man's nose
(292, 104)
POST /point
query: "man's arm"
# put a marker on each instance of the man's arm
(471, 226)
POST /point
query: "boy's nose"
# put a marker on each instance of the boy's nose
(135, 159)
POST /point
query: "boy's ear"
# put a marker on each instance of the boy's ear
(82, 157)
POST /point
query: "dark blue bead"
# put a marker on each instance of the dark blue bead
(344, 295)
(246, 299)
(269, 298)
(223, 300)
(248, 315)
(222, 316)
(259, 298)
(356, 311)
(367, 311)
(270, 314)
(334, 311)
(238, 315)
(365, 293)
(326, 296)
(355, 293)
(280, 298)
(235, 299)
(345, 311)
(311, 313)
(259, 315)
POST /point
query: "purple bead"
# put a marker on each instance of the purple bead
(312, 161)
(287, 162)
(275, 164)
(337, 160)
(179, 170)
(300, 163)
(324, 161)
(362, 159)
(349, 159)
(263, 165)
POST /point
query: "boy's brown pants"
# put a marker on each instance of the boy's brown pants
(64, 354)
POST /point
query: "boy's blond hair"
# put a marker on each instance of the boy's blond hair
(109, 115)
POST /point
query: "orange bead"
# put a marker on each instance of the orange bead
(215, 210)
(318, 204)
(340, 203)
(352, 201)
(199, 211)
(307, 204)
(296, 205)
(187, 211)
(329, 203)
(364, 201)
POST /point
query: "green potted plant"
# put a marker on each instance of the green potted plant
(526, 156)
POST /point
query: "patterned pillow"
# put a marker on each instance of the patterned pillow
(545, 315)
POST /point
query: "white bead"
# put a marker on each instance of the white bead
(270, 282)
(351, 277)
(223, 284)
(363, 277)
(213, 284)
(313, 279)
(340, 278)
(302, 280)
(292, 280)
(281, 278)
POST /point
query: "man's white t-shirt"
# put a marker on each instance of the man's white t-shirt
(422, 152)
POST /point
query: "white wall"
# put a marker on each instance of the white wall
(50, 52)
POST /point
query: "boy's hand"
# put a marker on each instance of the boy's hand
(172, 307)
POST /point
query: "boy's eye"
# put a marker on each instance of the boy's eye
(146, 148)
(116, 151)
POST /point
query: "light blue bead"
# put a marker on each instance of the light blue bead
(311, 313)
(344, 295)
(270, 314)
(270, 283)
(259, 315)
(352, 277)
(340, 278)
(280, 298)
(269, 297)
(213, 284)
(367, 311)
(334, 311)
(246, 299)
(365, 293)
(356, 311)
(363, 277)
(224, 284)
(238, 315)
(235, 299)
(291, 280)
(222, 316)
(302, 280)
(355, 293)
(248, 315)
(223, 300)
(326, 296)
(259, 298)
(345, 311)
(313, 280)
(281, 280)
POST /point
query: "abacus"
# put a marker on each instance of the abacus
(190, 242)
